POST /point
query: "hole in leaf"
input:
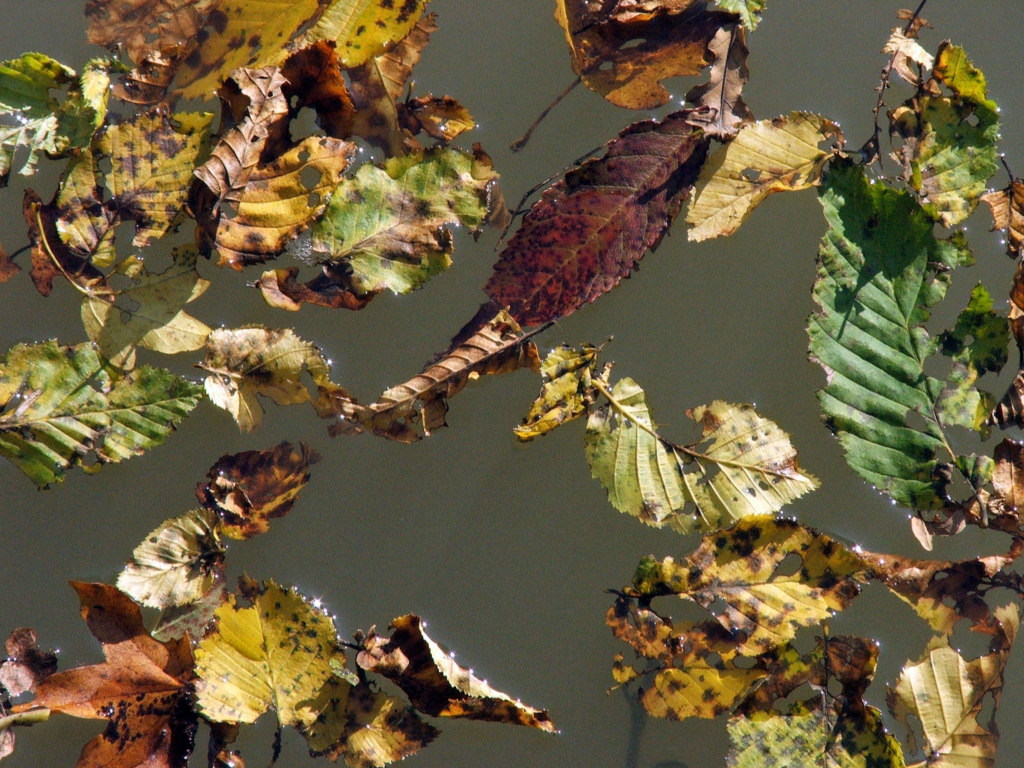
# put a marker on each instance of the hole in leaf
(751, 174)
(790, 566)
(635, 42)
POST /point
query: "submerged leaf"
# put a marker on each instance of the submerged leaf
(768, 156)
(588, 231)
(177, 563)
(62, 406)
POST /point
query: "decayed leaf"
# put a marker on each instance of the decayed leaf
(8, 268)
(738, 567)
(673, 34)
(442, 117)
(281, 290)
(746, 466)
(148, 313)
(50, 257)
(26, 664)
(315, 80)
(142, 26)
(722, 95)
(1007, 207)
(565, 391)
(249, 489)
(906, 52)
(62, 406)
(947, 693)
(390, 226)
(435, 684)
(949, 149)
(251, 361)
(768, 156)
(196, 618)
(141, 688)
(416, 408)
(31, 117)
(880, 271)
(177, 563)
(367, 728)
(588, 231)
(275, 653)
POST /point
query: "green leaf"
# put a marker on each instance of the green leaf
(749, 10)
(565, 390)
(275, 653)
(177, 563)
(391, 226)
(744, 466)
(880, 271)
(41, 122)
(62, 406)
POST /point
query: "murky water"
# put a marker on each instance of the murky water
(507, 550)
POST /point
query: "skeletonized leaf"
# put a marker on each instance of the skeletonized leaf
(413, 410)
(947, 693)
(722, 95)
(565, 389)
(389, 226)
(62, 406)
(176, 563)
(275, 653)
(249, 489)
(435, 684)
(744, 466)
(768, 156)
(149, 313)
(1007, 207)
(738, 569)
(246, 362)
(588, 231)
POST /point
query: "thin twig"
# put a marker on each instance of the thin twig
(517, 145)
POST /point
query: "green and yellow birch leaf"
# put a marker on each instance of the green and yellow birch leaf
(739, 570)
(149, 313)
(62, 406)
(177, 563)
(768, 156)
(565, 390)
(749, 11)
(366, 728)
(391, 225)
(977, 345)
(946, 694)
(275, 653)
(950, 152)
(84, 224)
(743, 465)
(31, 117)
(806, 735)
(246, 362)
(363, 29)
(880, 271)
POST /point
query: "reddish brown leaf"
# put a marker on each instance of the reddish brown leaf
(588, 231)
(8, 268)
(140, 688)
(27, 665)
(722, 95)
(251, 488)
(280, 289)
(315, 81)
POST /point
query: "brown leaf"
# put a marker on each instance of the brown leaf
(8, 268)
(589, 230)
(722, 94)
(1008, 475)
(1010, 410)
(413, 410)
(27, 665)
(435, 684)
(674, 36)
(442, 117)
(1007, 207)
(315, 81)
(280, 290)
(140, 689)
(251, 488)
(908, 57)
(142, 27)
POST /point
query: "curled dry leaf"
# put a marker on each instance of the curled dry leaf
(566, 390)
(251, 488)
(435, 684)
(722, 95)
(1007, 206)
(907, 52)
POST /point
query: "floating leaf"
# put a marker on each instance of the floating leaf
(746, 467)
(588, 231)
(1008, 475)
(148, 313)
(26, 664)
(246, 362)
(906, 52)
(50, 257)
(315, 80)
(749, 11)
(62, 406)
(435, 684)
(566, 388)
(143, 26)
(673, 38)
(722, 94)
(177, 563)
(416, 408)
(141, 688)
(249, 489)
(363, 28)
(391, 226)
(1007, 207)
(195, 619)
(8, 268)
(880, 270)
(768, 156)
(739, 570)
(275, 653)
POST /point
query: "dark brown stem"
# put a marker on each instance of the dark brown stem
(519, 143)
